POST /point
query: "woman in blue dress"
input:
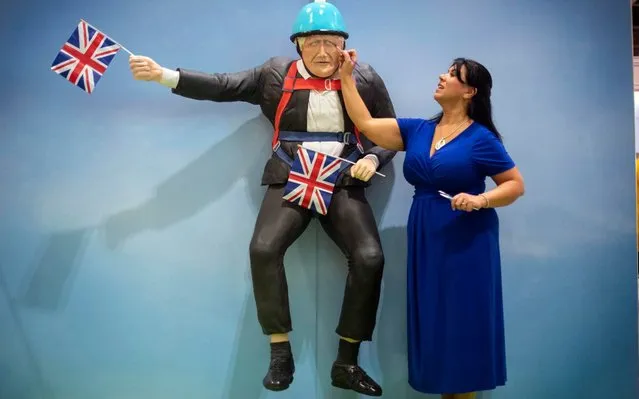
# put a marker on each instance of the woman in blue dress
(456, 343)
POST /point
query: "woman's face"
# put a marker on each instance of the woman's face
(451, 88)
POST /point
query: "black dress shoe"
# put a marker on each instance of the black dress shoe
(353, 377)
(280, 373)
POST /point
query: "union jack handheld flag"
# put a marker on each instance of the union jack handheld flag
(84, 58)
(312, 179)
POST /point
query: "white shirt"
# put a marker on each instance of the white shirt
(324, 114)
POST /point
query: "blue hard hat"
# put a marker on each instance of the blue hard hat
(319, 17)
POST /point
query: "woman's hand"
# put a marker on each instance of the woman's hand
(468, 202)
(347, 63)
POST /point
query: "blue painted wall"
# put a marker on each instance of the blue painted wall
(126, 215)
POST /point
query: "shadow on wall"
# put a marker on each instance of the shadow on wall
(22, 378)
(193, 188)
(198, 185)
(49, 282)
(183, 195)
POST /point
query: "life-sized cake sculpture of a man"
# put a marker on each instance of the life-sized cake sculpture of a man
(302, 99)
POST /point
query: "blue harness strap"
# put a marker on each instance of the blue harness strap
(281, 154)
(341, 137)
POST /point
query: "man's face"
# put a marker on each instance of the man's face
(321, 54)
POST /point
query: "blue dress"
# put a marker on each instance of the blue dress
(455, 313)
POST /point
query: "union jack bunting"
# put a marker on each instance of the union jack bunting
(312, 179)
(84, 58)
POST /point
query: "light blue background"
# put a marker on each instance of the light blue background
(126, 215)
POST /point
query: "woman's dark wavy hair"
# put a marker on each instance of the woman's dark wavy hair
(480, 108)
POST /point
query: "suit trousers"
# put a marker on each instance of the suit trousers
(350, 223)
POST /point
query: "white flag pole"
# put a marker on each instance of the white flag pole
(121, 46)
(341, 159)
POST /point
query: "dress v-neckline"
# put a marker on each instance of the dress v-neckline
(432, 137)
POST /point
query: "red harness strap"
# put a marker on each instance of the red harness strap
(291, 83)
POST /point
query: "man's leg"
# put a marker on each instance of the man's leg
(278, 225)
(351, 225)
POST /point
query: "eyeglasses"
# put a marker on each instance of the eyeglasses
(329, 45)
